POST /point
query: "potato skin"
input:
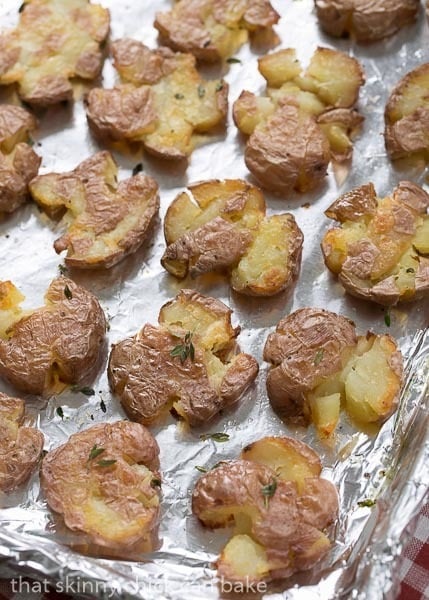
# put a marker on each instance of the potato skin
(20, 447)
(365, 20)
(57, 344)
(116, 506)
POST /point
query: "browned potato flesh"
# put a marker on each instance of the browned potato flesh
(221, 226)
(104, 482)
(212, 30)
(43, 350)
(20, 446)
(380, 250)
(318, 363)
(190, 363)
(18, 161)
(105, 220)
(279, 505)
(305, 120)
(365, 20)
(407, 117)
(54, 41)
(163, 103)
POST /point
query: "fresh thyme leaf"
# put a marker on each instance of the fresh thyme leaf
(219, 86)
(95, 451)
(232, 60)
(184, 350)
(86, 391)
(201, 469)
(201, 91)
(179, 96)
(319, 356)
(155, 482)
(60, 412)
(106, 463)
(217, 437)
(67, 293)
(268, 491)
(367, 502)
(218, 464)
(62, 269)
(387, 319)
(103, 405)
(137, 168)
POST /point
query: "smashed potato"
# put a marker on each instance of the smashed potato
(54, 41)
(407, 117)
(221, 225)
(20, 447)
(380, 251)
(18, 161)
(105, 220)
(190, 364)
(43, 350)
(318, 363)
(279, 505)
(164, 104)
(213, 30)
(104, 482)
(365, 20)
(306, 119)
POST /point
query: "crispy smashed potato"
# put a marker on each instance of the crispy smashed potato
(54, 41)
(20, 447)
(407, 117)
(380, 252)
(43, 350)
(306, 118)
(105, 220)
(18, 161)
(104, 482)
(164, 104)
(213, 30)
(318, 363)
(221, 225)
(190, 364)
(279, 505)
(365, 20)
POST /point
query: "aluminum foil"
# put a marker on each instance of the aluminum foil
(387, 466)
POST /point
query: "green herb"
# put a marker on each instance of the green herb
(155, 483)
(21, 8)
(103, 405)
(217, 437)
(62, 269)
(319, 356)
(185, 350)
(218, 464)
(179, 96)
(201, 91)
(106, 463)
(60, 412)
(137, 168)
(86, 391)
(95, 451)
(200, 469)
(410, 270)
(367, 502)
(268, 491)
(387, 319)
(67, 293)
(30, 142)
(232, 61)
(219, 86)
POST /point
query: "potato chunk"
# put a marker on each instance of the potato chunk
(274, 496)
(407, 116)
(306, 119)
(212, 30)
(221, 226)
(318, 363)
(164, 104)
(105, 221)
(104, 482)
(18, 161)
(20, 447)
(378, 252)
(54, 41)
(190, 364)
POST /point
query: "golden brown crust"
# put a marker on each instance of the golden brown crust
(20, 447)
(104, 482)
(55, 345)
(53, 42)
(365, 20)
(106, 221)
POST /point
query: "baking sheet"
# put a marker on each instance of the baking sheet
(388, 467)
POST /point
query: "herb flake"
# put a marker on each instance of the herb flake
(319, 356)
(86, 391)
(137, 169)
(155, 483)
(103, 405)
(268, 491)
(184, 350)
(62, 269)
(106, 463)
(219, 86)
(179, 96)
(216, 437)
(67, 293)
(387, 319)
(410, 270)
(367, 502)
(233, 60)
(201, 91)
(201, 469)
(95, 451)
(60, 412)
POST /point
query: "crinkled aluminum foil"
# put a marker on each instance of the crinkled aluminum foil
(388, 466)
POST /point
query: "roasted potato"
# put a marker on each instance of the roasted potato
(190, 363)
(20, 447)
(164, 104)
(105, 220)
(380, 251)
(407, 117)
(54, 41)
(221, 225)
(318, 362)
(104, 482)
(365, 20)
(43, 350)
(279, 505)
(18, 161)
(306, 119)
(213, 30)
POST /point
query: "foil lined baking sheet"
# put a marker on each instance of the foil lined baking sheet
(386, 466)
